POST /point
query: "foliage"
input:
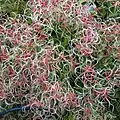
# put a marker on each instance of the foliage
(61, 58)
(13, 6)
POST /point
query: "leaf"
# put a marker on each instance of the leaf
(69, 116)
(13, 6)
(82, 1)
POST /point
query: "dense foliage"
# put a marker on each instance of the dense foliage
(61, 58)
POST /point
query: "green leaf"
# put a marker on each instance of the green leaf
(69, 116)
(82, 1)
